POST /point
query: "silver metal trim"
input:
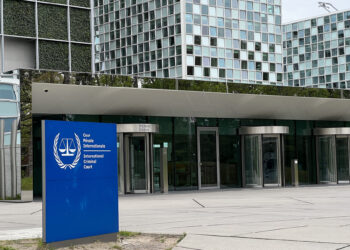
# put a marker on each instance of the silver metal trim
(2, 161)
(138, 128)
(262, 130)
(69, 37)
(216, 130)
(13, 159)
(43, 180)
(332, 131)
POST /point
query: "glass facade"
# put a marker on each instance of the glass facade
(224, 40)
(179, 136)
(138, 38)
(316, 52)
(236, 40)
(9, 103)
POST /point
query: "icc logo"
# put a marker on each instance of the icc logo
(67, 148)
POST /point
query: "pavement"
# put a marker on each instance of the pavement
(314, 217)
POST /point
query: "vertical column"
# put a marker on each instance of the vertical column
(37, 61)
(69, 38)
(2, 38)
(2, 161)
(13, 159)
(92, 30)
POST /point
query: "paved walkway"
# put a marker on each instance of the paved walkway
(315, 217)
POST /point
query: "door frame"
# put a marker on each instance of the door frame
(336, 157)
(146, 137)
(216, 130)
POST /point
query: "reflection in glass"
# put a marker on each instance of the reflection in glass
(327, 170)
(270, 160)
(252, 160)
(208, 159)
(137, 163)
(342, 159)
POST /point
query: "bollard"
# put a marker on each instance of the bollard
(295, 172)
(164, 170)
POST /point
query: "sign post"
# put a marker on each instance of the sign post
(80, 180)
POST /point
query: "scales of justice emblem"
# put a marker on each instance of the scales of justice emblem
(67, 148)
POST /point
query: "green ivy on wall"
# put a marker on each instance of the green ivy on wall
(52, 22)
(82, 3)
(19, 18)
(53, 55)
(80, 25)
(55, 1)
(81, 57)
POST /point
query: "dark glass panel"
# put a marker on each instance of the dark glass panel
(186, 176)
(230, 153)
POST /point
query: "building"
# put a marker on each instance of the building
(317, 52)
(46, 35)
(267, 133)
(10, 137)
(235, 41)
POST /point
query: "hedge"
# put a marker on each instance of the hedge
(53, 55)
(81, 57)
(19, 18)
(80, 25)
(52, 22)
(82, 3)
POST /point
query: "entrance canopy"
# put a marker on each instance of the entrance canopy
(101, 100)
(332, 131)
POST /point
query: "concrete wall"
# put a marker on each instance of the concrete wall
(19, 53)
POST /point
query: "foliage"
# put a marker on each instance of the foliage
(159, 83)
(127, 234)
(6, 248)
(52, 22)
(27, 183)
(80, 25)
(83, 3)
(202, 86)
(19, 18)
(55, 1)
(81, 57)
(53, 55)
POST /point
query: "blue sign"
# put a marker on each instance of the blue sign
(80, 180)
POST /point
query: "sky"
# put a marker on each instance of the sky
(293, 10)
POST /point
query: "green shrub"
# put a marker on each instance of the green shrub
(82, 3)
(53, 55)
(55, 1)
(52, 22)
(80, 25)
(19, 18)
(81, 57)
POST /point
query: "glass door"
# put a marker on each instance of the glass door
(136, 163)
(270, 160)
(208, 158)
(342, 148)
(326, 159)
(252, 170)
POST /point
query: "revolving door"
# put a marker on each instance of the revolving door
(135, 157)
(332, 150)
(262, 156)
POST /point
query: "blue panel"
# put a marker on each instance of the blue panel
(81, 180)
